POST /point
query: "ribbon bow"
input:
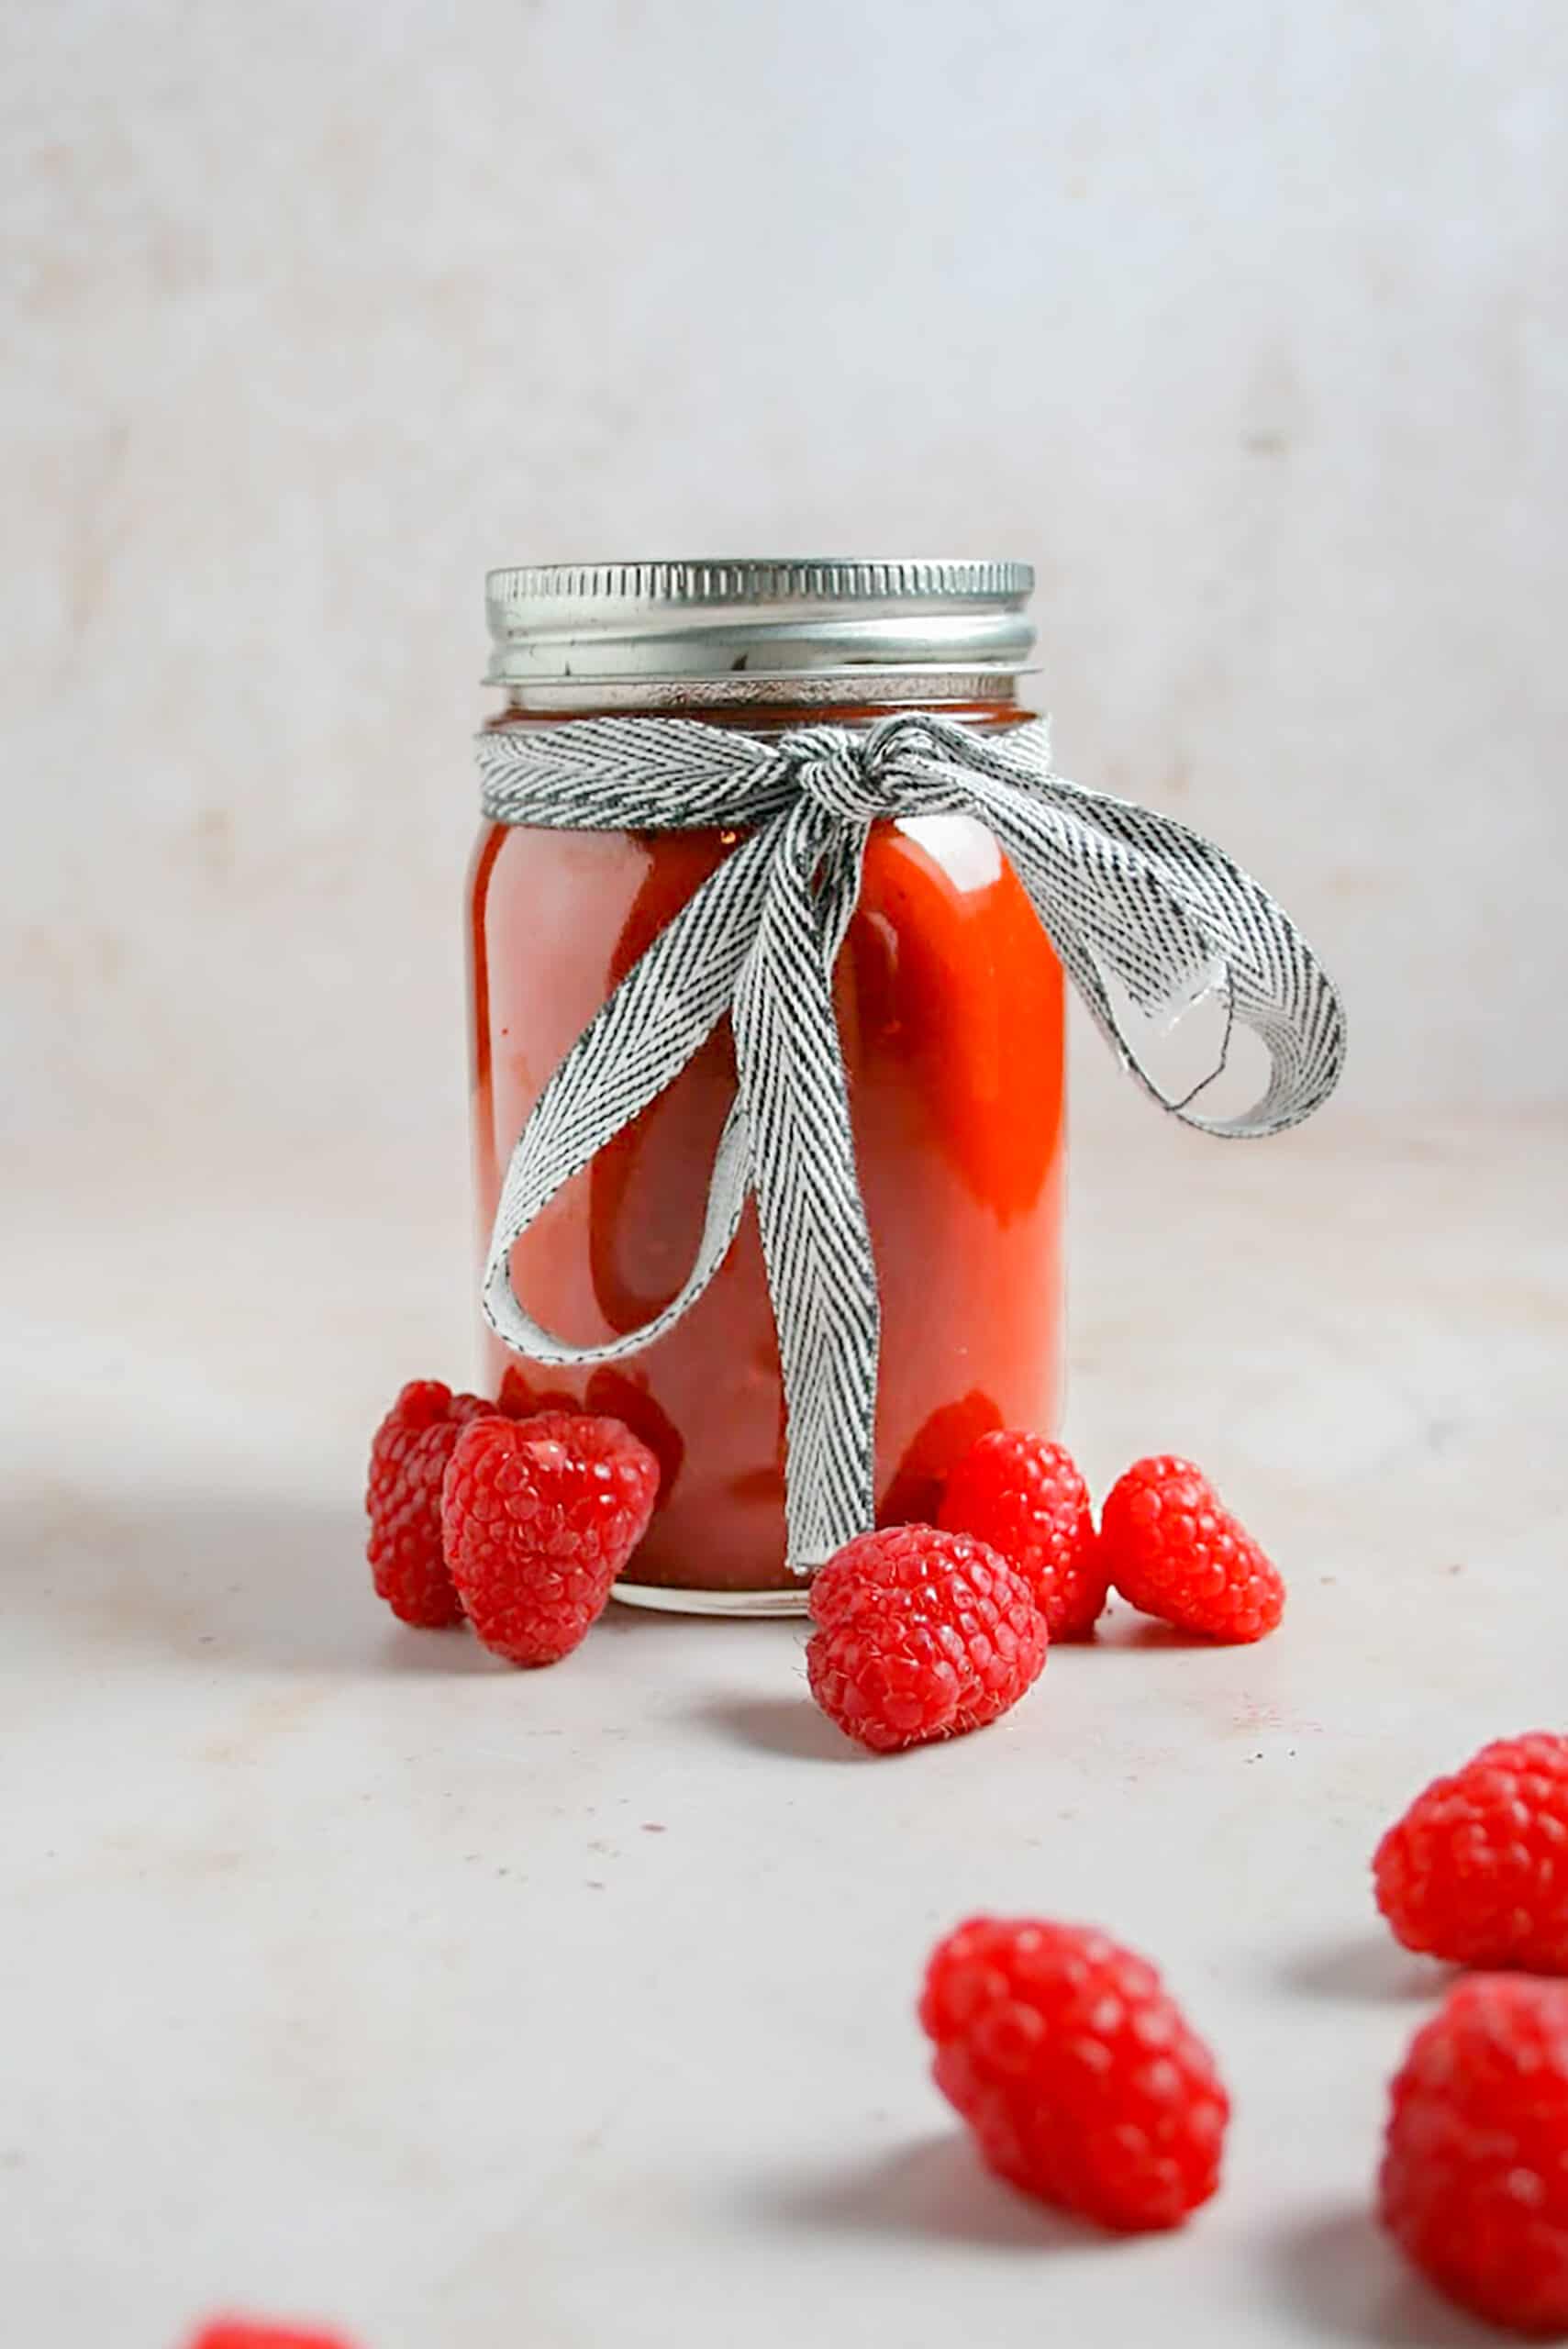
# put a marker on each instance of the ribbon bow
(1123, 894)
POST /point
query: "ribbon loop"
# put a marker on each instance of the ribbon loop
(1125, 895)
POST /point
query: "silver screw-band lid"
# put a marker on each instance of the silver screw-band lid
(791, 618)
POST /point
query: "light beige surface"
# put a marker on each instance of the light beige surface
(347, 1972)
(1246, 323)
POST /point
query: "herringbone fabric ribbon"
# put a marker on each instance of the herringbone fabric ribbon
(1126, 897)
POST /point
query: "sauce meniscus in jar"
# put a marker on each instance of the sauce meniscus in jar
(950, 1010)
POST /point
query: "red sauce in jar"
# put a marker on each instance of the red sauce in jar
(951, 1011)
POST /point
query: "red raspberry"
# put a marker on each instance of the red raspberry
(408, 1458)
(235, 2333)
(1173, 1551)
(1477, 1869)
(922, 1635)
(538, 1517)
(1026, 1497)
(1076, 2071)
(1474, 2182)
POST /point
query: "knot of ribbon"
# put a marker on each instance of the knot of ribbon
(1127, 897)
(892, 771)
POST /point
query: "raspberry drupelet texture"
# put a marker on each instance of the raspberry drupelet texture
(1474, 2182)
(538, 1517)
(1026, 1497)
(1173, 1551)
(920, 1635)
(403, 1499)
(1477, 1871)
(1081, 2081)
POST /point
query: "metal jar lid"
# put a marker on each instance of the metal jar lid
(796, 628)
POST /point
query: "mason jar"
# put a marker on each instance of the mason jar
(949, 1003)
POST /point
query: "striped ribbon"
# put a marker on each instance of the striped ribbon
(1124, 894)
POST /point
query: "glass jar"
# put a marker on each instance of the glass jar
(950, 1010)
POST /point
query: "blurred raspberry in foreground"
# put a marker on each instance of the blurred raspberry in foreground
(243, 2332)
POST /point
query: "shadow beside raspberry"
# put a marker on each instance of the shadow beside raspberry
(1344, 2279)
(787, 1725)
(932, 2189)
(1367, 1967)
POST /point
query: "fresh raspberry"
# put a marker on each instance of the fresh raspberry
(236, 2333)
(1477, 1869)
(1474, 2181)
(1026, 1497)
(1077, 2072)
(922, 1635)
(538, 1517)
(408, 1458)
(1173, 1551)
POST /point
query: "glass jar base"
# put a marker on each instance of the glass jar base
(669, 1601)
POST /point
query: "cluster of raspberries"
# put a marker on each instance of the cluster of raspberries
(1085, 2085)
(926, 1631)
(1080, 2078)
(520, 1519)
(519, 1524)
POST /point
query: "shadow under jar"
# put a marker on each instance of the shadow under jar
(951, 1013)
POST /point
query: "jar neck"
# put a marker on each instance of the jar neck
(863, 691)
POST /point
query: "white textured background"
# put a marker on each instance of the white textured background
(1246, 323)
